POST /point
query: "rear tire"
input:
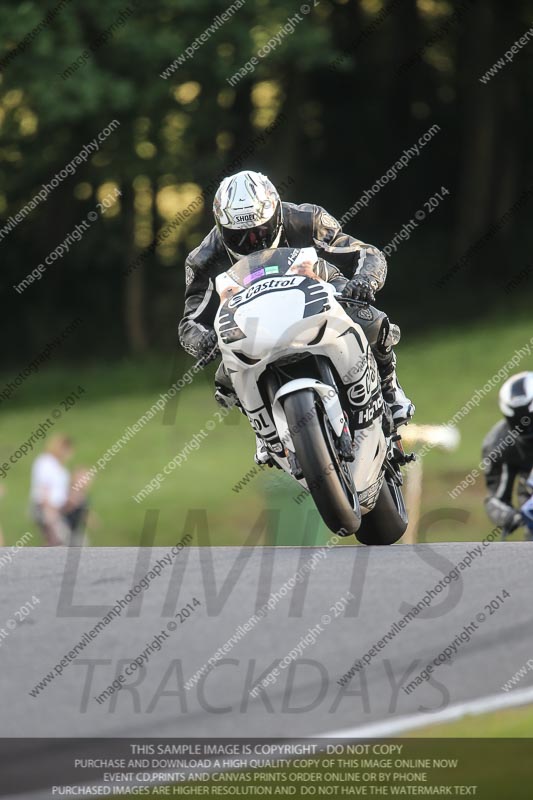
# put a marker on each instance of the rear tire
(320, 463)
(388, 520)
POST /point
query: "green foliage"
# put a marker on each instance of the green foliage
(344, 126)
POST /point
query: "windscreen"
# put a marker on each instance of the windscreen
(273, 264)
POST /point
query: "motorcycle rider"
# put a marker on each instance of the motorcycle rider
(250, 216)
(508, 457)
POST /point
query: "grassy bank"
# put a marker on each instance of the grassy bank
(441, 373)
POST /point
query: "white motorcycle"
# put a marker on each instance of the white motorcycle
(305, 377)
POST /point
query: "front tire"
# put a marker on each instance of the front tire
(327, 478)
(388, 520)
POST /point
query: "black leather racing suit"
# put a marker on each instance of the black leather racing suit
(304, 225)
(508, 461)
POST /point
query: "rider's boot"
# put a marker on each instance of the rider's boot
(402, 409)
(224, 392)
(227, 398)
(262, 456)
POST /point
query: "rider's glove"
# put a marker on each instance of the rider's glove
(207, 348)
(361, 288)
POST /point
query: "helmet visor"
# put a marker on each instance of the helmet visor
(250, 240)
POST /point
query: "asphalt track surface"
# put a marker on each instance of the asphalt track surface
(77, 587)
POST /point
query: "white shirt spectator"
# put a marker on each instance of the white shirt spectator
(50, 481)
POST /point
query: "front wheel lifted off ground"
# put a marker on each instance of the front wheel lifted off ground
(328, 480)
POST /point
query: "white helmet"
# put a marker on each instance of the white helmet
(248, 214)
(516, 401)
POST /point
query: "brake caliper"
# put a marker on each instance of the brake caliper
(294, 464)
(344, 443)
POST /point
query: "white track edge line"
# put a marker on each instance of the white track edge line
(482, 705)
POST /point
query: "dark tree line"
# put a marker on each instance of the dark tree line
(356, 84)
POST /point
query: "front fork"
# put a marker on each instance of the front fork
(397, 456)
(343, 442)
